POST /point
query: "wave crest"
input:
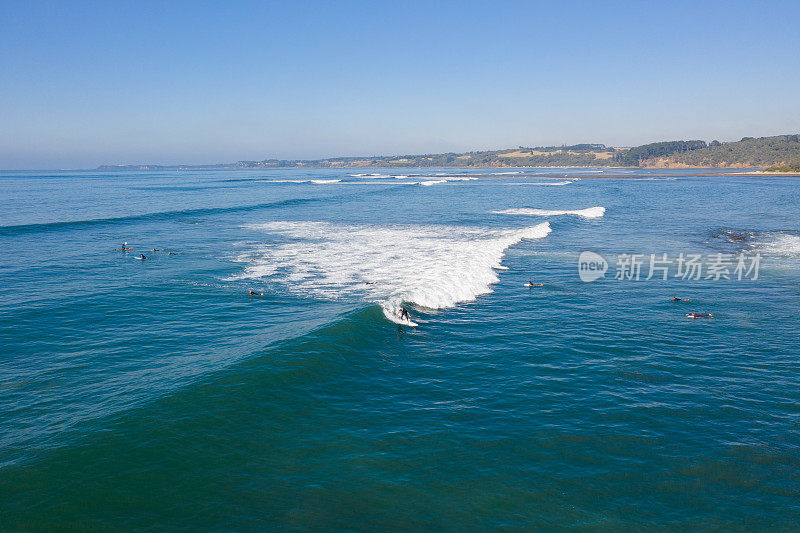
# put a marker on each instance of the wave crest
(432, 267)
(551, 183)
(590, 212)
(315, 182)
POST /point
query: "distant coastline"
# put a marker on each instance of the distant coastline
(778, 154)
(791, 168)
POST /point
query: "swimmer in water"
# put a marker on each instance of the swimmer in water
(253, 293)
(404, 314)
(674, 299)
(698, 315)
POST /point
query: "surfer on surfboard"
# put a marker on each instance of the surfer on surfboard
(699, 315)
(404, 314)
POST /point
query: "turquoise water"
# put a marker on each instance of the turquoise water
(158, 394)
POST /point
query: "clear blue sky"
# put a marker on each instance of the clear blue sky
(85, 83)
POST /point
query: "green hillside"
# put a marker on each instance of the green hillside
(749, 152)
(782, 150)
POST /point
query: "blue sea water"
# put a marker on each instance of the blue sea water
(158, 394)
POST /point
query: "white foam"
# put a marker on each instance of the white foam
(428, 266)
(779, 244)
(550, 183)
(317, 182)
(388, 183)
(428, 183)
(370, 176)
(590, 212)
(383, 176)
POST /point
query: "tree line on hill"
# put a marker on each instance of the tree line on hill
(633, 156)
(777, 151)
(748, 152)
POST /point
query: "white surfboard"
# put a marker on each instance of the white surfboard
(405, 322)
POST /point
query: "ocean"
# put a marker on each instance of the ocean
(159, 394)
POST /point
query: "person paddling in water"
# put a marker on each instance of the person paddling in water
(142, 257)
(253, 293)
(675, 299)
(404, 314)
(698, 315)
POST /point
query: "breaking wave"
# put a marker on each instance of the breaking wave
(551, 183)
(428, 183)
(778, 244)
(316, 182)
(381, 176)
(591, 212)
(784, 244)
(431, 267)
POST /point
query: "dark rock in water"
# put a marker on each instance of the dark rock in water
(733, 236)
